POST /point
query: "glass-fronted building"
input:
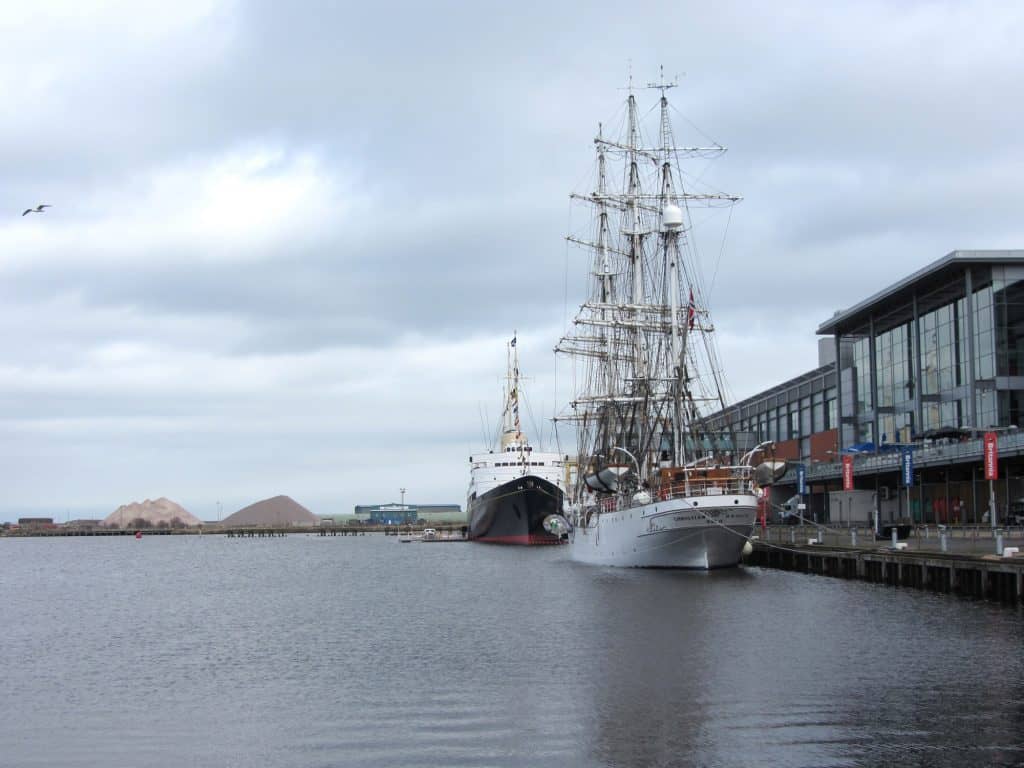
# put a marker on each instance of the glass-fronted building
(943, 347)
(926, 365)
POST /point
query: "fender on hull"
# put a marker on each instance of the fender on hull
(514, 513)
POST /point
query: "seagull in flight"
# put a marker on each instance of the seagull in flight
(38, 209)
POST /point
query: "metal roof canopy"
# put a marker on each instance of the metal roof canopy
(818, 373)
(933, 285)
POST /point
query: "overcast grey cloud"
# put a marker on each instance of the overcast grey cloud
(289, 241)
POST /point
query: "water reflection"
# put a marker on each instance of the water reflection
(305, 651)
(784, 669)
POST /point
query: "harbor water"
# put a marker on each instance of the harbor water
(331, 651)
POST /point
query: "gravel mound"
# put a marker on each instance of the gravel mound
(280, 510)
(152, 512)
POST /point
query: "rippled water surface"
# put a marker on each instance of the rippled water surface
(313, 651)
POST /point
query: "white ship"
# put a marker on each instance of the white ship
(652, 488)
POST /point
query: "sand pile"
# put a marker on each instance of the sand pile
(280, 510)
(153, 512)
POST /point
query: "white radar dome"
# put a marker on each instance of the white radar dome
(672, 216)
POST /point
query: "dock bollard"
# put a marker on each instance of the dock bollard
(895, 536)
(999, 543)
(792, 536)
(943, 542)
(821, 536)
(853, 537)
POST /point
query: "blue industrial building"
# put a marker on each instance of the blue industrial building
(402, 514)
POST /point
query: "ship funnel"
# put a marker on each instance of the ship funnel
(672, 216)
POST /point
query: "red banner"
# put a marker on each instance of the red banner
(847, 473)
(991, 456)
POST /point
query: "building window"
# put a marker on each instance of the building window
(988, 413)
(1008, 307)
(885, 428)
(892, 356)
(984, 335)
(818, 423)
(862, 374)
(941, 341)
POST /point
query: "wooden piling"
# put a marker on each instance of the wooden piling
(984, 577)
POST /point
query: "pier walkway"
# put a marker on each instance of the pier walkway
(960, 561)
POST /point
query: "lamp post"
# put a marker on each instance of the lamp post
(990, 463)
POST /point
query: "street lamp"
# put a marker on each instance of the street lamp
(991, 482)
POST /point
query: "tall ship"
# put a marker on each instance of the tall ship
(651, 488)
(516, 494)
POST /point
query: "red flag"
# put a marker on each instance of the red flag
(991, 456)
(847, 472)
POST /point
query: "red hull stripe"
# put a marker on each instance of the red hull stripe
(525, 538)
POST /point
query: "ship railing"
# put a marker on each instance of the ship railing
(710, 488)
(717, 487)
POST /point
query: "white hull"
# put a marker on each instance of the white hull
(689, 532)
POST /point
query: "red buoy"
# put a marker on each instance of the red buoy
(138, 534)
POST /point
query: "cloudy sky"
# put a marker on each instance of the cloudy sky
(289, 241)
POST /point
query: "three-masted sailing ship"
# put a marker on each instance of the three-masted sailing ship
(652, 488)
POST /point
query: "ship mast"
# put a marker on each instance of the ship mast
(603, 267)
(634, 229)
(511, 432)
(671, 224)
(632, 333)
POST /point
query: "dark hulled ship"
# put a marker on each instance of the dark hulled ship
(516, 494)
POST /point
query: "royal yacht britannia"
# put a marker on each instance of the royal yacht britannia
(516, 494)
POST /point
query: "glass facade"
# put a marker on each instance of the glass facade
(943, 340)
(942, 348)
(927, 356)
(892, 358)
(984, 335)
(1007, 291)
(862, 375)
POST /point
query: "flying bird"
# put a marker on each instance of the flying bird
(38, 209)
